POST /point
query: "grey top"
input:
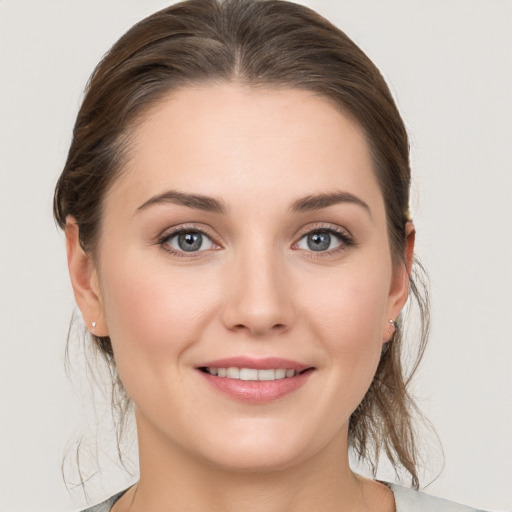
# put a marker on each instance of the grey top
(106, 505)
(407, 500)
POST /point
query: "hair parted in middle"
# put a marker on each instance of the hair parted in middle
(264, 44)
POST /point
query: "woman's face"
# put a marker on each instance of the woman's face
(246, 231)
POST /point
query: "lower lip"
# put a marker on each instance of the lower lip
(257, 391)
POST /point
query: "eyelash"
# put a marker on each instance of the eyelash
(164, 239)
(342, 235)
(347, 241)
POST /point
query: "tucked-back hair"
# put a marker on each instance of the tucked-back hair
(259, 44)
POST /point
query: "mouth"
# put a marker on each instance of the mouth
(253, 374)
(255, 380)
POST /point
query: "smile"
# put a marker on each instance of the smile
(255, 380)
(252, 374)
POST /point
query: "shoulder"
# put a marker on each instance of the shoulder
(106, 505)
(409, 500)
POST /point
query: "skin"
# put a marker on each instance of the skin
(256, 290)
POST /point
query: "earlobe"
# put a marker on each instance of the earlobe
(84, 280)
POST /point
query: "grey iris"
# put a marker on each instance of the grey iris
(190, 241)
(319, 241)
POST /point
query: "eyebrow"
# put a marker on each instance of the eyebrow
(316, 202)
(196, 201)
(311, 203)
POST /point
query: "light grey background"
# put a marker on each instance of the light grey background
(448, 62)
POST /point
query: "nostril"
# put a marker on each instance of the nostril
(245, 313)
(276, 327)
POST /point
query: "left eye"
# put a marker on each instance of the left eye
(320, 241)
(189, 241)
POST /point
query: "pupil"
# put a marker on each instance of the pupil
(190, 241)
(319, 241)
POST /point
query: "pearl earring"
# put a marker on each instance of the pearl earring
(93, 324)
(393, 324)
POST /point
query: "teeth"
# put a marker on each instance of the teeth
(266, 375)
(281, 374)
(252, 373)
(248, 374)
(233, 373)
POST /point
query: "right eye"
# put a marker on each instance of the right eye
(187, 240)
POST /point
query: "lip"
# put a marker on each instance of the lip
(266, 363)
(252, 391)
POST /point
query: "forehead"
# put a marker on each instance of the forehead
(229, 141)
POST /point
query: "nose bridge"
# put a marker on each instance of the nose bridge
(258, 300)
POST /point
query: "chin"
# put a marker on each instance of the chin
(267, 450)
(258, 460)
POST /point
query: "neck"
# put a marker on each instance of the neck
(173, 480)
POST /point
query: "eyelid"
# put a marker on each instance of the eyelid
(343, 234)
(176, 230)
(324, 226)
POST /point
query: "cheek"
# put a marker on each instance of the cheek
(351, 304)
(153, 311)
(346, 312)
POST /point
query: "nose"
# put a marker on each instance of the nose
(258, 298)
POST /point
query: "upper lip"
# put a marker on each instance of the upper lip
(265, 363)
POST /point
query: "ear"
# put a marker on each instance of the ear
(399, 289)
(84, 279)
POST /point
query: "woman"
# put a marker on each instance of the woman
(236, 209)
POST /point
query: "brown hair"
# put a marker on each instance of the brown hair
(258, 43)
